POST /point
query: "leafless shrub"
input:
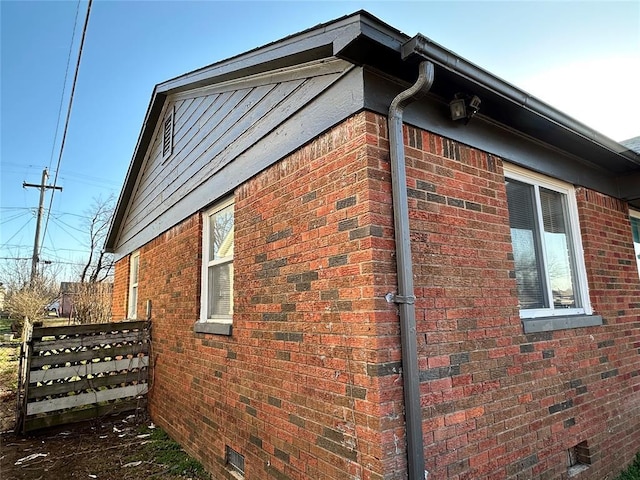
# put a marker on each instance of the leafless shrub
(92, 302)
(26, 297)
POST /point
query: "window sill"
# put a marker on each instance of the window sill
(549, 324)
(215, 328)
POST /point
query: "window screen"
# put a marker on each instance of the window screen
(218, 268)
(635, 231)
(542, 247)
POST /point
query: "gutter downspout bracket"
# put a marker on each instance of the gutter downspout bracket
(405, 299)
(410, 299)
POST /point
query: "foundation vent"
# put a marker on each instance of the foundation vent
(578, 458)
(235, 461)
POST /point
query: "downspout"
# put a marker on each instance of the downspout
(405, 298)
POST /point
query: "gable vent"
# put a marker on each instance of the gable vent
(167, 135)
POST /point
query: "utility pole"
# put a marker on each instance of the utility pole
(36, 244)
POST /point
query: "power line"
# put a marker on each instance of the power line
(86, 250)
(71, 174)
(66, 123)
(22, 166)
(90, 178)
(19, 230)
(54, 213)
(63, 214)
(45, 250)
(55, 252)
(61, 262)
(64, 84)
(13, 217)
(60, 222)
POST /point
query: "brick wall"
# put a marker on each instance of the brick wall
(120, 289)
(610, 403)
(309, 386)
(298, 388)
(498, 403)
(469, 331)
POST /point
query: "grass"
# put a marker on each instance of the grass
(633, 471)
(5, 325)
(8, 359)
(163, 450)
(9, 368)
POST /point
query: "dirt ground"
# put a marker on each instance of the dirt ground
(112, 448)
(123, 447)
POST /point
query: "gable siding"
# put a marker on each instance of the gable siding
(211, 130)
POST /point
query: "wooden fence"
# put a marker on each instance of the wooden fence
(77, 372)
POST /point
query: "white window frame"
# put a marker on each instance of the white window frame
(635, 214)
(222, 320)
(134, 268)
(582, 287)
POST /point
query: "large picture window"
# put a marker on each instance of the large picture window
(635, 232)
(217, 268)
(549, 266)
(134, 271)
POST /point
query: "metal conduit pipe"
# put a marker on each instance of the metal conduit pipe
(405, 298)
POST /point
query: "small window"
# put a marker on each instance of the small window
(167, 135)
(634, 217)
(134, 270)
(549, 266)
(217, 264)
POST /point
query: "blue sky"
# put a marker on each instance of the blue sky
(581, 57)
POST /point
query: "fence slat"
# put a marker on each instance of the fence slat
(89, 341)
(39, 332)
(90, 368)
(63, 403)
(37, 391)
(77, 356)
(87, 413)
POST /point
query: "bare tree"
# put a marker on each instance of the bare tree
(100, 264)
(90, 297)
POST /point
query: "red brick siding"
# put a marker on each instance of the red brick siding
(469, 329)
(500, 404)
(613, 397)
(295, 389)
(309, 387)
(120, 289)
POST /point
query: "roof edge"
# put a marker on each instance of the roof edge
(427, 48)
(333, 39)
(154, 110)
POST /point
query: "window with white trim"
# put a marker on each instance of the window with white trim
(547, 249)
(134, 271)
(634, 218)
(217, 264)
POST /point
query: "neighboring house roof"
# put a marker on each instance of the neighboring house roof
(632, 144)
(379, 53)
